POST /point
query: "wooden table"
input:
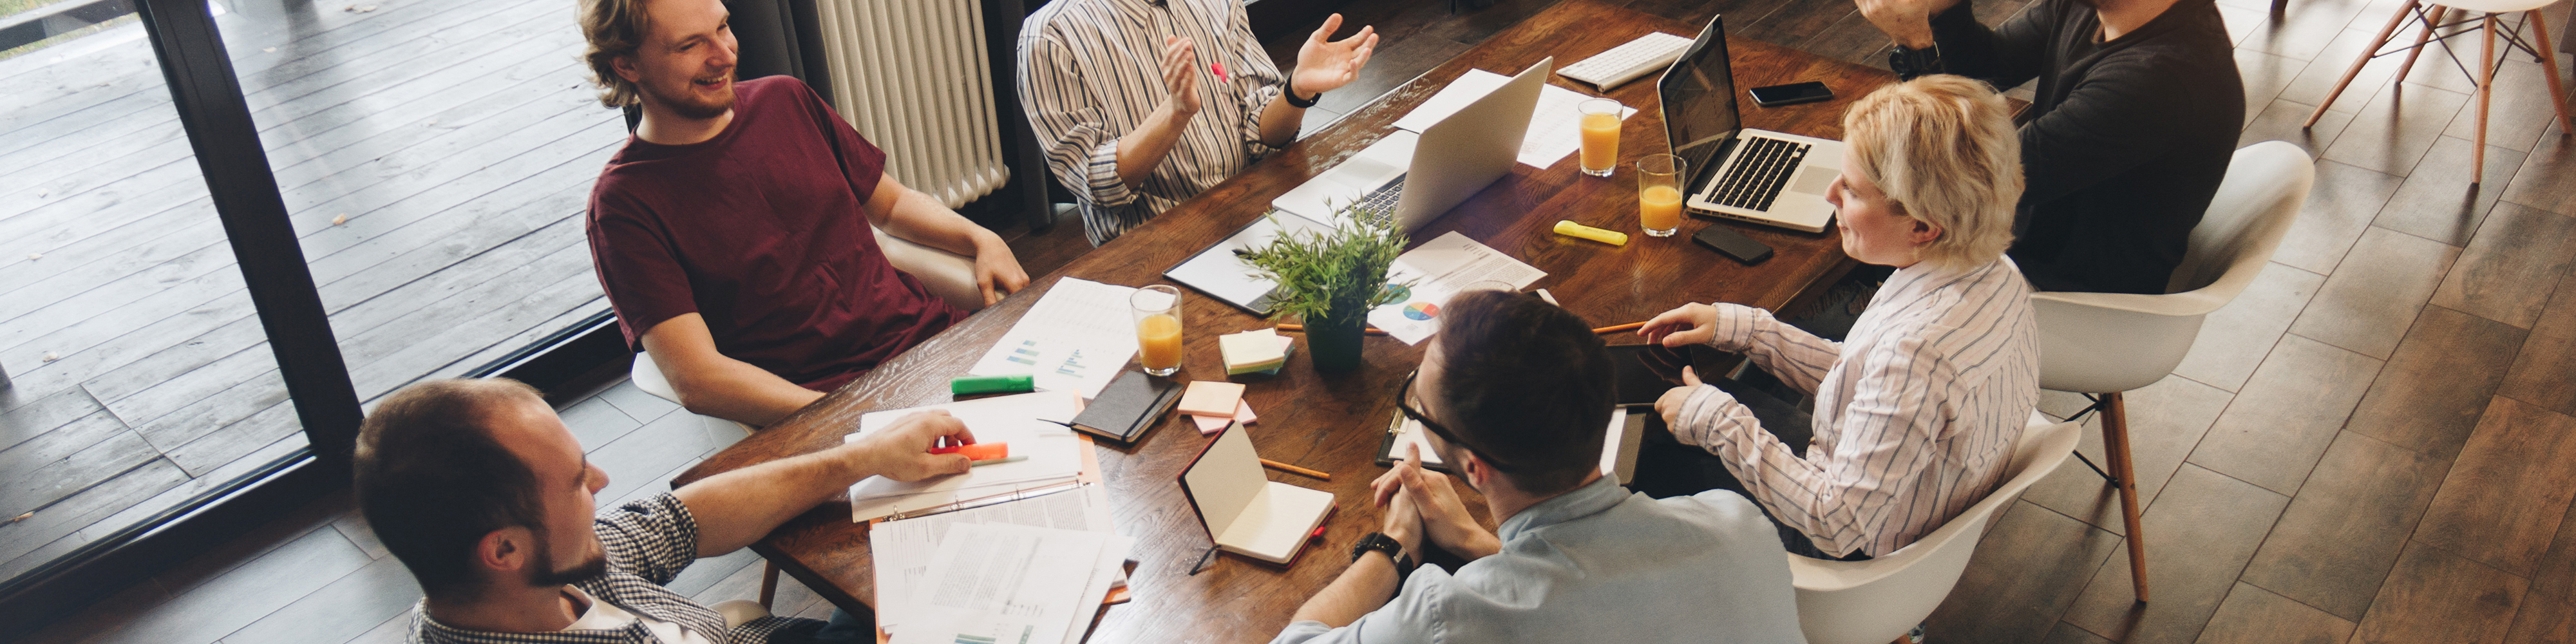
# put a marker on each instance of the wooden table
(1333, 423)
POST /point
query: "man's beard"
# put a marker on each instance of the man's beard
(685, 104)
(547, 575)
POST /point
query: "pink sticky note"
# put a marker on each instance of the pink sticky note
(1243, 413)
(1211, 424)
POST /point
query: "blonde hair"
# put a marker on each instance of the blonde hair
(613, 28)
(1944, 149)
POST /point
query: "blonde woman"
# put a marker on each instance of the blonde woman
(1916, 412)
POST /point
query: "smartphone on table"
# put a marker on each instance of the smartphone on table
(1792, 94)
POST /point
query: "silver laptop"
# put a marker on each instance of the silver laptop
(1419, 177)
(1754, 175)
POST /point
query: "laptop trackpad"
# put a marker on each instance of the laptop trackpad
(1814, 179)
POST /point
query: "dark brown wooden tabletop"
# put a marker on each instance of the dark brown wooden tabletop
(1334, 423)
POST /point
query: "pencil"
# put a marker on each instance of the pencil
(1632, 326)
(1292, 469)
(1302, 328)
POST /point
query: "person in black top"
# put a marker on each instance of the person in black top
(2137, 112)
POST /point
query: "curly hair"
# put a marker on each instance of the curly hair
(613, 28)
(1944, 148)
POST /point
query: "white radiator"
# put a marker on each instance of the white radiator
(912, 75)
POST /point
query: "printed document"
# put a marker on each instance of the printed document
(1054, 453)
(903, 549)
(1011, 583)
(1076, 338)
(1438, 269)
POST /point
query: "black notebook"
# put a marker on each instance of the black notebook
(1129, 406)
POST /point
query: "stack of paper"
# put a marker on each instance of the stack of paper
(1076, 338)
(1054, 454)
(903, 550)
(1438, 269)
(1254, 351)
(997, 582)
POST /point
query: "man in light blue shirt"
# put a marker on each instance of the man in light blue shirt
(1515, 394)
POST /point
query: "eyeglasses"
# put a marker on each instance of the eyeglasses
(1406, 405)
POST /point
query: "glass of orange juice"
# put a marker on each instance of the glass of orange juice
(1158, 328)
(1659, 194)
(1600, 135)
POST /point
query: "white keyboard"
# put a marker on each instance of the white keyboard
(1645, 55)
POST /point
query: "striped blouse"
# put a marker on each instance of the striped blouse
(1090, 72)
(1915, 414)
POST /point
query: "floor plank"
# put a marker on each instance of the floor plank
(2435, 597)
(2335, 543)
(2503, 500)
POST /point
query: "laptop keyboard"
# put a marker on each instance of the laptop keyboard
(1759, 173)
(1383, 200)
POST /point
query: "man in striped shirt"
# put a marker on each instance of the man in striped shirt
(1916, 413)
(1144, 103)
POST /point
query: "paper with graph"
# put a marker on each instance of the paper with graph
(1077, 338)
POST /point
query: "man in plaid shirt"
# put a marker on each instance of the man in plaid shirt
(487, 498)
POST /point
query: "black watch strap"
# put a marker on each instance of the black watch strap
(1909, 63)
(1379, 542)
(1291, 94)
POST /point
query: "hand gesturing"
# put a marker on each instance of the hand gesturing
(1324, 66)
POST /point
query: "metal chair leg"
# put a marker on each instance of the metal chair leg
(2115, 448)
(768, 583)
(2364, 59)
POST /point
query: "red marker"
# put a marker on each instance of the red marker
(1219, 68)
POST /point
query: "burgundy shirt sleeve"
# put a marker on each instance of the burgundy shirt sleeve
(861, 162)
(644, 280)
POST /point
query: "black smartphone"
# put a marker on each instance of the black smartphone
(1792, 94)
(1725, 240)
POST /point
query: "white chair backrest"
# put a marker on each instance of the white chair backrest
(1874, 601)
(2107, 342)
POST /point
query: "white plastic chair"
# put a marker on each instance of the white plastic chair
(2101, 344)
(1876, 601)
(2430, 16)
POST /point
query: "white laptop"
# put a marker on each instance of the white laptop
(1419, 177)
(1455, 157)
(1741, 173)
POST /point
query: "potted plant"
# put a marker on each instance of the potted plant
(1331, 280)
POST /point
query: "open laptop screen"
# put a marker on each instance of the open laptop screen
(1698, 94)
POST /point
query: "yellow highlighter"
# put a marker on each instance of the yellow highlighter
(1611, 237)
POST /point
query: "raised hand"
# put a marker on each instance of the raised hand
(1909, 22)
(1324, 66)
(1181, 75)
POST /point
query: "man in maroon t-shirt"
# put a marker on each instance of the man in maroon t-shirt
(729, 231)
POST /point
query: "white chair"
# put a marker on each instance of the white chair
(1879, 600)
(2101, 344)
(2430, 16)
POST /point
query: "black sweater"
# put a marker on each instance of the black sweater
(2126, 140)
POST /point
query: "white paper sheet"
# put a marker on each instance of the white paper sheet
(902, 550)
(1014, 583)
(1555, 128)
(1076, 338)
(1438, 269)
(1054, 452)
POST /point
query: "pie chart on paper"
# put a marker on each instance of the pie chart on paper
(1421, 311)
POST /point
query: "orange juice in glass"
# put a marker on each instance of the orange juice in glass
(1600, 135)
(1659, 194)
(1158, 328)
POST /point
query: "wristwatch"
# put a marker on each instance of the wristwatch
(1909, 63)
(1290, 93)
(1379, 542)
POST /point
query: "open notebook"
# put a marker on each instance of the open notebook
(1245, 512)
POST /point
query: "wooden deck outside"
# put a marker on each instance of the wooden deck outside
(458, 139)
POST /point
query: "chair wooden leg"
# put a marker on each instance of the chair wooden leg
(2280, 7)
(2358, 63)
(2421, 36)
(2115, 448)
(768, 583)
(2549, 68)
(2486, 92)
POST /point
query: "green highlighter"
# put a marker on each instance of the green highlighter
(972, 385)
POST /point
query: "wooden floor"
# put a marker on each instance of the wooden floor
(2375, 443)
(452, 136)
